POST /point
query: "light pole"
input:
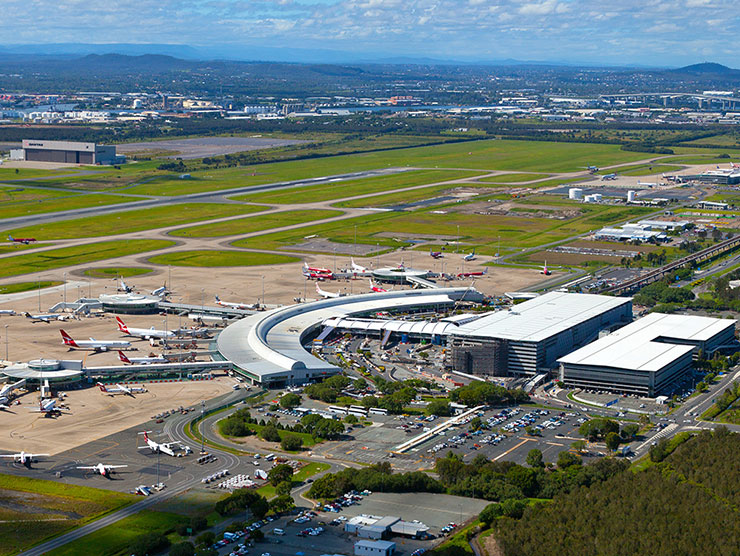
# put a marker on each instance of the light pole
(6, 342)
(65, 291)
(203, 300)
(202, 437)
(263, 292)
(39, 284)
(335, 259)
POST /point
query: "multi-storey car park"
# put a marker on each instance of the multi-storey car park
(647, 356)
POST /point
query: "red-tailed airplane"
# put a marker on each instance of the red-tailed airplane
(49, 408)
(326, 294)
(316, 269)
(545, 271)
(469, 274)
(318, 275)
(92, 343)
(376, 288)
(102, 469)
(156, 446)
(435, 254)
(120, 389)
(144, 333)
(24, 240)
(141, 360)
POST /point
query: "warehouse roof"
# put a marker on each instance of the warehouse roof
(645, 345)
(540, 318)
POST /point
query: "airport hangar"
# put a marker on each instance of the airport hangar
(646, 356)
(65, 152)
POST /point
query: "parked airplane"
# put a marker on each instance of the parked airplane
(232, 305)
(435, 254)
(326, 294)
(474, 273)
(545, 270)
(92, 343)
(318, 275)
(141, 360)
(120, 389)
(160, 292)
(144, 333)
(24, 458)
(7, 312)
(609, 177)
(24, 240)
(357, 269)
(48, 407)
(316, 270)
(47, 318)
(156, 446)
(470, 256)
(102, 469)
(123, 287)
(7, 391)
(376, 288)
(734, 166)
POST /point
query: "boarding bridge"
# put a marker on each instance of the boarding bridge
(422, 283)
(163, 367)
(187, 308)
(81, 306)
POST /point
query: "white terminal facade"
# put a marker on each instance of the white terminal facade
(646, 356)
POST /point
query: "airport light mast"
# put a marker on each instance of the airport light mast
(202, 438)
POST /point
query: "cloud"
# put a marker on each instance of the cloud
(543, 8)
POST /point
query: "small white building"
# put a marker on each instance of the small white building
(374, 548)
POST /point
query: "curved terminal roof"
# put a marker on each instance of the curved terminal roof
(129, 299)
(24, 370)
(398, 274)
(416, 328)
(269, 346)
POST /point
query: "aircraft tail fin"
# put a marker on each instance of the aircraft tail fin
(67, 339)
(122, 357)
(121, 325)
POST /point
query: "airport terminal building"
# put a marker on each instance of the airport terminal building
(529, 337)
(647, 356)
(67, 152)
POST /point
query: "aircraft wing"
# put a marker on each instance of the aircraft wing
(10, 455)
(112, 466)
(90, 467)
(165, 449)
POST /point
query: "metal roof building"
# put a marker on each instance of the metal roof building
(530, 336)
(269, 347)
(646, 356)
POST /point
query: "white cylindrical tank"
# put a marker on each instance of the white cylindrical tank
(631, 196)
(575, 193)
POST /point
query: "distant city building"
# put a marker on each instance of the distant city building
(68, 152)
(374, 548)
(721, 176)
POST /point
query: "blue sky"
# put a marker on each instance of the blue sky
(646, 32)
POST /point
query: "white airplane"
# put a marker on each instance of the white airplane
(357, 269)
(160, 292)
(123, 287)
(120, 389)
(470, 256)
(102, 469)
(326, 294)
(47, 318)
(92, 343)
(48, 407)
(144, 333)
(141, 360)
(375, 288)
(232, 305)
(23, 457)
(156, 446)
(7, 312)
(612, 176)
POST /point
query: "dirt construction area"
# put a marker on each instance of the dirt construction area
(94, 414)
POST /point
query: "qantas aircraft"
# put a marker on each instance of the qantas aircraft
(123, 286)
(144, 333)
(435, 254)
(120, 389)
(47, 318)
(24, 458)
(24, 240)
(156, 446)
(376, 288)
(470, 256)
(92, 343)
(48, 408)
(141, 360)
(232, 305)
(102, 469)
(545, 270)
(326, 294)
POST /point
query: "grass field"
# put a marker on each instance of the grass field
(134, 220)
(34, 509)
(349, 188)
(26, 286)
(399, 197)
(509, 178)
(115, 539)
(14, 247)
(79, 254)
(215, 258)
(254, 223)
(116, 271)
(475, 229)
(27, 173)
(644, 169)
(57, 203)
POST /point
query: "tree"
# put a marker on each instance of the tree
(284, 488)
(612, 441)
(206, 538)
(279, 473)
(579, 446)
(475, 423)
(359, 384)
(270, 433)
(532, 431)
(291, 442)
(490, 513)
(282, 503)
(629, 431)
(148, 543)
(534, 458)
(513, 508)
(597, 429)
(241, 499)
(440, 408)
(184, 548)
(257, 535)
(351, 420)
(568, 459)
(289, 401)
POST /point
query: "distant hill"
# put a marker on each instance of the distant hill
(706, 68)
(112, 62)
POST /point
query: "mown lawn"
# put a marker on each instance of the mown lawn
(216, 258)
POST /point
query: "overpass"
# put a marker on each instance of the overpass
(658, 273)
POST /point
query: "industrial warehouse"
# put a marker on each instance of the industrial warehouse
(65, 152)
(646, 356)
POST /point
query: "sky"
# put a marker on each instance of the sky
(614, 32)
